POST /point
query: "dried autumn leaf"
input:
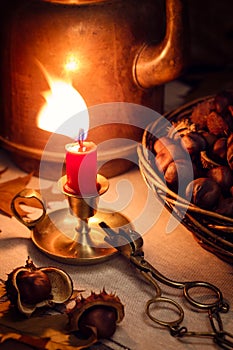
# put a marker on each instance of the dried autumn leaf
(4, 302)
(9, 189)
(37, 343)
(49, 330)
(43, 332)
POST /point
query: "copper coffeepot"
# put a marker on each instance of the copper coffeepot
(125, 52)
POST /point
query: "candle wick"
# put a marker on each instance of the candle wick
(81, 139)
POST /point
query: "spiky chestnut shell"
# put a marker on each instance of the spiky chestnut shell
(29, 287)
(101, 312)
(181, 128)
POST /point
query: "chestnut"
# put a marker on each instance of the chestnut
(169, 154)
(162, 142)
(29, 287)
(219, 150)
(102, 318)
(225, 207)
(209, 138)
(34, 286)
(223, 176)
(203, 192)
(193, 142)
(98, 314)
(179, 174)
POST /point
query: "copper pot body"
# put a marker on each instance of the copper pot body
(126, 52)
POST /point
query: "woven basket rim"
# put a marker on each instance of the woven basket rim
(213, 228)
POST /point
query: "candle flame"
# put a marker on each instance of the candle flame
(71, 64)
(64, 111)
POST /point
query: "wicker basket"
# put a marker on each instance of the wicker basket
(213, 231)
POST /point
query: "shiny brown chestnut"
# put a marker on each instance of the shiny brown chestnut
(193, 142)
(102, 318)
(34, 286)
(169, 154)
(98, 314)
(179, 174)
(162, 142)
(219, 150)
(203, 192)
(223, 176)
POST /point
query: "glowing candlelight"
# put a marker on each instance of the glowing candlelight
(65, 112)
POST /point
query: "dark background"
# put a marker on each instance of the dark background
(210, 66)
(210, 36)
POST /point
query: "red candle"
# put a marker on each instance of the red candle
(81, 168)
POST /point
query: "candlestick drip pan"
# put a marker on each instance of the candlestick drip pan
(57, 236)
(72, 235)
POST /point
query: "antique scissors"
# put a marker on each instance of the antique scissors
(130, 243)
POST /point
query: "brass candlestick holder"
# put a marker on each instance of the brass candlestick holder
(72, 235)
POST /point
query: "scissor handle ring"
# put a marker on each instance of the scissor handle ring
(196, 284)
(168, 301)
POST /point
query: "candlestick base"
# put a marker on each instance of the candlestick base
(72, 235)
(57, 237)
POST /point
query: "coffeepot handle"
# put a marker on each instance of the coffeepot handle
(20, 198)
(156, 64)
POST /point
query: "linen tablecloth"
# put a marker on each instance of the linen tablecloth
(175, 254)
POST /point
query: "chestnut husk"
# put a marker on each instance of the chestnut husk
(48, 286)
(98, 313)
